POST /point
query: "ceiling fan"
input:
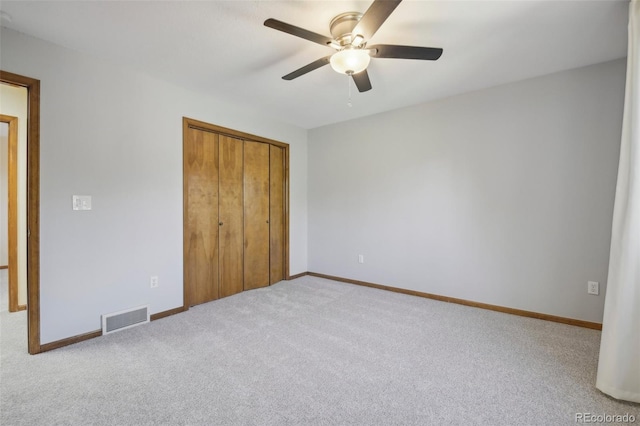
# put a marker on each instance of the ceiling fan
(350, 32)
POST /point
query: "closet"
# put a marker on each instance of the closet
(235, 211)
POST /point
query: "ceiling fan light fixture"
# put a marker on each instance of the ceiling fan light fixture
(350, 61)
(350, 33)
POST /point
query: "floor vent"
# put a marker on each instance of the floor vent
(121, 320)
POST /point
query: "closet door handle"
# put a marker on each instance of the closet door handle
(267, 220)
(220, 223)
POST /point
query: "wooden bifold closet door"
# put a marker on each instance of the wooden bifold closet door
(235, 219)
(256, 215)
(201, 216)
(276, 214)
(230, 216)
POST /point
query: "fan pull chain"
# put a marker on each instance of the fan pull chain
(349, 104)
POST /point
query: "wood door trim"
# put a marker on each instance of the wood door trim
(201, 125)
(12, 208)
(185, 212)
(286, 212)
(33, 204)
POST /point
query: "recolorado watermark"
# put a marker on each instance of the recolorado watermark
(588, 418)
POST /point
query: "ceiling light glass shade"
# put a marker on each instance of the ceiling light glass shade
(350, 61)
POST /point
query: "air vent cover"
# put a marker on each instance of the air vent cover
(121, 320)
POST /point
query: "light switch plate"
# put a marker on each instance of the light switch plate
(82, 202)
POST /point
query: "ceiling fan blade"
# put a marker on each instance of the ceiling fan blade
(405, 52)
(362, 81)
(374, 17)
(297, 31)
(308, 68)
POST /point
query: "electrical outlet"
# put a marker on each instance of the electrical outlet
(361, 258)
(154, 282)
(593, 287)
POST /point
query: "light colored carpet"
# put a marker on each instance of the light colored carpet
(311, 351)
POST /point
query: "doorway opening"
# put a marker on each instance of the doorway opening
(12, 196)
(32, 203)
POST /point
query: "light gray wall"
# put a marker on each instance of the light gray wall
(502, 196)
(116, 134)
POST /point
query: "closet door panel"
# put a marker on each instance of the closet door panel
(200, 161)
(231, 211)
(276, 214)
(256, 215)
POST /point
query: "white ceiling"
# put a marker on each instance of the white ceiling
(222, 47)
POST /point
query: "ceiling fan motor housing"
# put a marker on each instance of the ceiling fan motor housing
(342, 26)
